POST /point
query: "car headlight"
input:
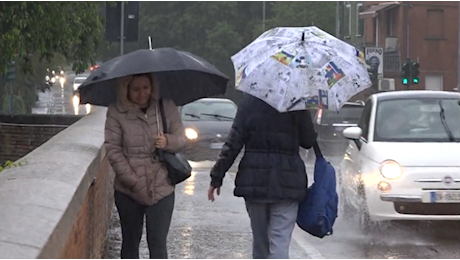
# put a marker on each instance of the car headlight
(390, 169)
(191, 134)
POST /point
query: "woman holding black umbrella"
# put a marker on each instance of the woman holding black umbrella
(133, 133)
(136, 139)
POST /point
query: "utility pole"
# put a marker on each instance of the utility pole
(263, 16)
(122, 28)
(337, 19)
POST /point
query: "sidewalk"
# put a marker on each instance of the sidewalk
(201, 229)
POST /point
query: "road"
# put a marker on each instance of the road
(60, 100)
(201, 229)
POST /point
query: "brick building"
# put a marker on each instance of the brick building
(423, 31)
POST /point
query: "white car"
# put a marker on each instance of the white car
(78, 81)
(403, 159)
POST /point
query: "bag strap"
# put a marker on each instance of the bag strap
(318, 152)
(163, 117)
(316, 148)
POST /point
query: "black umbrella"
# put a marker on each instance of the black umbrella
(183, 77)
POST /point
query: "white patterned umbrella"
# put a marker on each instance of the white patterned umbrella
(294, 68)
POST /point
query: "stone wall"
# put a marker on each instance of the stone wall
(58, 205)
(19, 135)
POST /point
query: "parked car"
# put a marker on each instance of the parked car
(207, 123)
(330, 124)
(402, 162)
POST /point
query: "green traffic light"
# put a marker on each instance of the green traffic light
(415, 80)
(405, 81)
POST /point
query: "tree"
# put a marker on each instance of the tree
(72, 29)
(301, 14)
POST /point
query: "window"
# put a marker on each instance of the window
(365, 118)
(209, 111)
(347, 21)
(435, 24)
(389, 22)
(417, 120)
(359, 21)
(433, 82)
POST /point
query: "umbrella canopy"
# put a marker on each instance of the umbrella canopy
(300, 67)
(183, 77)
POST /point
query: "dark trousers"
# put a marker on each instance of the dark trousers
(158, 220)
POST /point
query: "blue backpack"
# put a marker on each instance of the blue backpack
(318, 212)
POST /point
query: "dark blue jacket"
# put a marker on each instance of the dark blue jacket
(271, 168)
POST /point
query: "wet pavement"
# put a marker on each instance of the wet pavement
(60, 100)
(201, 229)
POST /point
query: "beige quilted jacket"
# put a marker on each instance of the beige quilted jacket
(129, 137)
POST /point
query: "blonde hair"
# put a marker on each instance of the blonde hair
(123, 89)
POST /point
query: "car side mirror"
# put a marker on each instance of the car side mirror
(353, 133)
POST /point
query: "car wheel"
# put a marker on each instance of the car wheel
(364, 220)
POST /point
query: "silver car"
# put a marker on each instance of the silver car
(207, 123)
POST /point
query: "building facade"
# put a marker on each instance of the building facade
(426, 32)
(351, 29)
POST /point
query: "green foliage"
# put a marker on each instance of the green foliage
(320, 14)
(46, 29)
(18, 103)
(10, 164)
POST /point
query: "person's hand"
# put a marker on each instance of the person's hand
(211, 192)
(161, 142)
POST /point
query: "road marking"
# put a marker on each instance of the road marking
(310, 250)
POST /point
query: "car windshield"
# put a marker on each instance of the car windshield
(348, 114)
(79, 80)
(418, 120)
(208, 111)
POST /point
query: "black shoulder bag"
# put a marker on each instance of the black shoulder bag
(177, 165)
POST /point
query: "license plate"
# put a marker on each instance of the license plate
(216, 145)
(442, 197)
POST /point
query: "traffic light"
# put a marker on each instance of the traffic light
(113, 21)
(11, 72)
(406, 70)
(415, 72)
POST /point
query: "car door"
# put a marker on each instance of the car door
(355, 149)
